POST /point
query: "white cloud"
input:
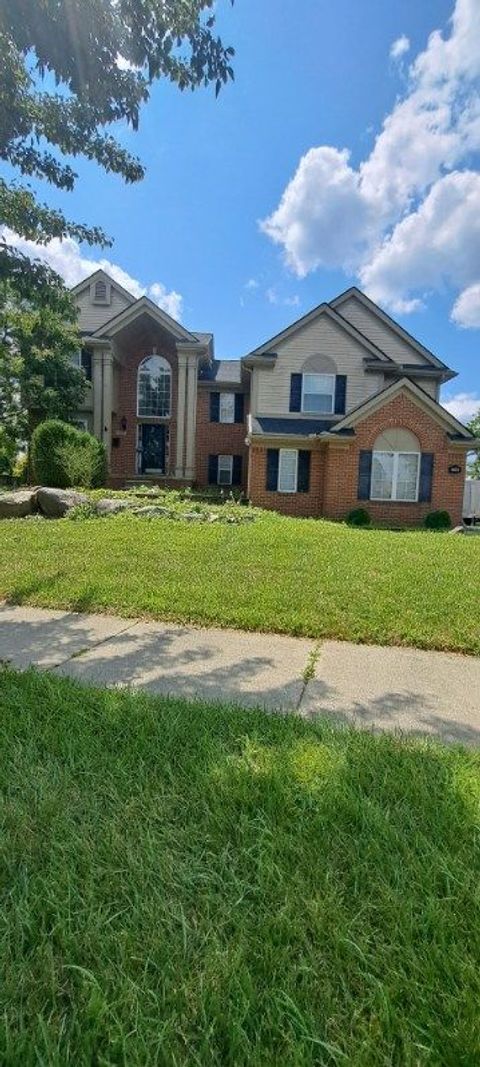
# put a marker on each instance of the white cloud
(434, 246)
(67, 260)
(466, 309)
(463, 405)
(400, 47)
(288, 301)
(252, 284)
(364, 219)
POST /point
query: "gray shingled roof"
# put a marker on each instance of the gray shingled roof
(298, 427)
(222, 371)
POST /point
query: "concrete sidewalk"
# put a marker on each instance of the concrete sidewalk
(389, 688)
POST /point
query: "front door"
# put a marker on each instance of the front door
(152, 441)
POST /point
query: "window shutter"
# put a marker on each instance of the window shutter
(237, 470)
(364, 475)
(426, 474)
(340, 393)
(303, 477)
(213, 470)
(295, 392)
(239, 407)
(272, 469)
(214, 407)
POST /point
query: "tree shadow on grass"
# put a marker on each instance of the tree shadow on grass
(236, 889)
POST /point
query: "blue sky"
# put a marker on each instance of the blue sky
(400, 216)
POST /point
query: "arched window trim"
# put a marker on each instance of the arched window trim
(395, 473)
(157, 399)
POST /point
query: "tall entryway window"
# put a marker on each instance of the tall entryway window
(154, 388)
(152, 448)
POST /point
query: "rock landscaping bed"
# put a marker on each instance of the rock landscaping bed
(42, 502)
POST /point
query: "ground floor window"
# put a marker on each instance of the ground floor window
(395, 476)
(225, 470)
(287, 470)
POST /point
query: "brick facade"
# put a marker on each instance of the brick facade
(303, 505)
(123, 464)
(218, 438)
(334, 472)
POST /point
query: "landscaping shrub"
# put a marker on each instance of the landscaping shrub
(63, 456)
(358, 517)
(438, 520)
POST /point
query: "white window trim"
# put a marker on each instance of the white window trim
(281, 454)
(223, 420)
(225, 466)
(393, 497)
(80, 423)
(314, 374)
(144, 415)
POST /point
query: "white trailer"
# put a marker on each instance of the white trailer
(471, 501)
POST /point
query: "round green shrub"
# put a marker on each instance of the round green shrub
(438, 520)
(63, 456)
(358, 517)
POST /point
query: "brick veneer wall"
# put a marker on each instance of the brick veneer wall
(341, 476)
(123, 457)
(300, 504)
(218, 438)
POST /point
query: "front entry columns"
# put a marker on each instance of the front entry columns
(181, 401)
(107, 402)
(187, 354)
(102, 382)
(191, 417)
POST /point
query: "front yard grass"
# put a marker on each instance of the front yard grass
(186, 884)
(297, 576)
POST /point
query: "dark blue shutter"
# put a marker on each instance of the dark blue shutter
(272, 469)
(303, 477)
(295, 392)
(212, 470)
(214, 407)
(340, 393)
(239, 407)
(426, 474)
(237, 470)
(364, 475)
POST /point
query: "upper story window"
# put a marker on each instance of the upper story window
(395, 466)
(154, 387)
(227, 407)
(100, 292)
(82, 359)
(318, 393)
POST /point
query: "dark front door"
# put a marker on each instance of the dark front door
(152, 449)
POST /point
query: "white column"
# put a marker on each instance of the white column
(97, 385)
(107, 401)
(182, 369)
(191, 419)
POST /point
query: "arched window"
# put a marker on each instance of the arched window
(154, 387)
(395, 466)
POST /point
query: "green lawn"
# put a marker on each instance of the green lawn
(190, 885)
(308, 577)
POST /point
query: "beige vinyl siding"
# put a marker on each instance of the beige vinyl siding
(378, 332)
(93, 316)
(429, 386)
(323, 337)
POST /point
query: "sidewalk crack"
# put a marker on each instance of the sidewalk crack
(89, 648)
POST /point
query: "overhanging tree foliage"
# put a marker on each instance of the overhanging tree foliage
(69, 69)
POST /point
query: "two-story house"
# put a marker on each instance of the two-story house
(339, 410)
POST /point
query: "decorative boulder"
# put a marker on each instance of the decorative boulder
(111, 507)
(152, 512)
(54, 503)
(18, 504)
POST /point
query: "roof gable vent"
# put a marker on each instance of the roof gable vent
(100, 292)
